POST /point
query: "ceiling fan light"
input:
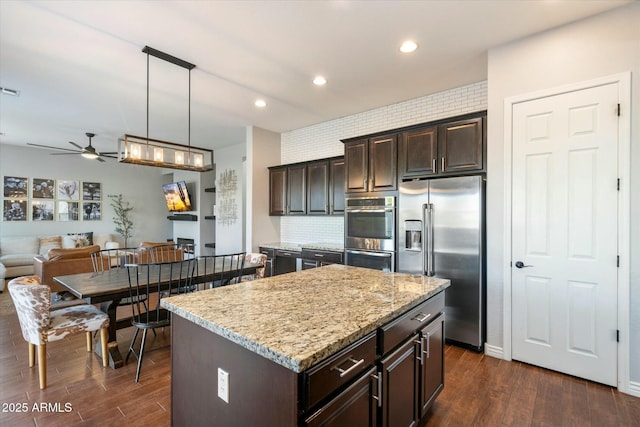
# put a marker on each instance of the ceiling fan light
(88, 155)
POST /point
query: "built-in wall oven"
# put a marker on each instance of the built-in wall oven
(370, 232)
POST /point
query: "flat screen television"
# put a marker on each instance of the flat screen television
(177, 197)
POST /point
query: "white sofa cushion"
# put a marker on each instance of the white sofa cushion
(11, 245)
(14, 260)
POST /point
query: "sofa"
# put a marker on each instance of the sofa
(17, 252)
(61, 262)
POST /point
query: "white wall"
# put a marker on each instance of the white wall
(263, 150)
(230, 214)
(323, 140)
(140, 185)
(600, 46)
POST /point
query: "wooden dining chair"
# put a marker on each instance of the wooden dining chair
(41, 325)
(154, 281)
(227, 269)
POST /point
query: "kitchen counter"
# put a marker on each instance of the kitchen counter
(296, 320)
(291, 246)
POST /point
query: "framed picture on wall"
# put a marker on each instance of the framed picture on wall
(16, 187)
(68, 190)
(43, 188)
(91, 191)
(91, 211)
(68, 211)
(42, 210)
(14, 210)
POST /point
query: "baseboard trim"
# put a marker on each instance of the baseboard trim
(634, 388)
(493, 351)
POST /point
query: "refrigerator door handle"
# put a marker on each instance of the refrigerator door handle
(427, 243)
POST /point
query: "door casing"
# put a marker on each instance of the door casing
(623, 80)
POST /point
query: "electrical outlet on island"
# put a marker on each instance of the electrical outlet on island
(223, 385)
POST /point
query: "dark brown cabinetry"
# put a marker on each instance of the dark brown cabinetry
(297, 190)
(432, 363)
(312, 258)
(336, 186)
(450, 148)
(278, 191)
(310, 188)
(370, 164)
(400, 386)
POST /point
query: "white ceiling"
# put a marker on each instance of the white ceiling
(79, 66)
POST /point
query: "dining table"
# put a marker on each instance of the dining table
(108, 288)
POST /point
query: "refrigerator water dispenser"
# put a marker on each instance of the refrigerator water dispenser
(413, 235)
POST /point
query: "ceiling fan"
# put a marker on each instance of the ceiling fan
(87, 152)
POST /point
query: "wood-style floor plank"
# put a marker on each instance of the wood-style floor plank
(479, 390)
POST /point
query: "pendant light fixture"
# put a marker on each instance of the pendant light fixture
(154, 152)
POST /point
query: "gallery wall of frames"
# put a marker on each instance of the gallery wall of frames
(48, 199)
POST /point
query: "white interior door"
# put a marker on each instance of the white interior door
(564, 298)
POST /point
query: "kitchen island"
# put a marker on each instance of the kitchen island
(317, 347)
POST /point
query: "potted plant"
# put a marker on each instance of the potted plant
(122, 209)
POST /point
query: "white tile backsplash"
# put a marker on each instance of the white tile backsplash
(324, 140)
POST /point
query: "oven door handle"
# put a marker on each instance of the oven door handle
(361, 210)
(378, 254)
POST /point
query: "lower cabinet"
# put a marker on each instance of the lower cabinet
(315, 258)
(432, 363)
(354, 407)
(400, 382)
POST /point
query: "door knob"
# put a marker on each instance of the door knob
(520, 264)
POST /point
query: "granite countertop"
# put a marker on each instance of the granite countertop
(299, 319)
(291, 246)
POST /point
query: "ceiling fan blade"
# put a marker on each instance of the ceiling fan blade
(108, 152)
(52, 148)
(64, 154)
(76, 145)
(106, 155)
(100, 159)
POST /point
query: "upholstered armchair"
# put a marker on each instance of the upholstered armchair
(40, 325)
(254, 258)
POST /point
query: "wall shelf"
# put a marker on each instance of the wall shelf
(210, 245)
(210, 190)
(209, 217)
(183, 217)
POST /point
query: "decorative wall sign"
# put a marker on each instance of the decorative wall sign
(227, 206)
(43, 188)
(14, 210)
(91, 191)
(68, 190)
(42, 210)
(16, 187)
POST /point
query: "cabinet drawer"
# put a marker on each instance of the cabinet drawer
(289, 254)
(397, 331)
(269, 252)
(320, 381)
(328, 257)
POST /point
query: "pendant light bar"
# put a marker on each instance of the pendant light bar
(169, 58)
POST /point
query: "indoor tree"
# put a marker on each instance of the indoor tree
(122, 221)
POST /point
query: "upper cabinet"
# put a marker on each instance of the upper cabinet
(450, 148)
(310, 188)
(370, 164)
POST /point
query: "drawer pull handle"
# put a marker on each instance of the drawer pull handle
(422, 317)
(378, 378)
(319, 255)
(344, 372)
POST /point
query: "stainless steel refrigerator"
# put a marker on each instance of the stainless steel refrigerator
(442, 234)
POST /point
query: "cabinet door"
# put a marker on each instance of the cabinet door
(383, 163)
(432, 363)
(278, 191)
(418, 152)
(356, 157)
(400, 373)
(461, 146)
(318, 188)
(336, 190)
(297, 190)
(354, 407)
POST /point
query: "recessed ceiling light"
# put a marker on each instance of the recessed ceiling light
(408, 46)
(260, 103)
(319, 81)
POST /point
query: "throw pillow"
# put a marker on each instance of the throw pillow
(46, 243)
(82, 239)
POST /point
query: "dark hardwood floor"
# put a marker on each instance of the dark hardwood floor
(479, 390)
